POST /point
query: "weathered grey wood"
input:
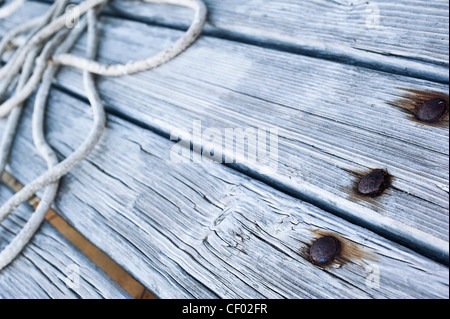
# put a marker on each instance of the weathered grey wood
(233, 83)
(204, 230)
(48, 265)
(412, 36)
(334, 122)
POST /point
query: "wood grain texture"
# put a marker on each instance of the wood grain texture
(42, 270)
(335, 122)
(409, 37)
(205, 230)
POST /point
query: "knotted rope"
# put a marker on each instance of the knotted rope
(34, 65)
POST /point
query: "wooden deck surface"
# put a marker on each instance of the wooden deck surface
(50, 267)
(321, 73)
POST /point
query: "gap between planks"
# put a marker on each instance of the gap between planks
(110, 267)
(365, 58)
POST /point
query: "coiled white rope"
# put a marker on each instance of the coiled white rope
(32, 61)
(147, 64)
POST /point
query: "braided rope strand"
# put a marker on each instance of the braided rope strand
(35, 64)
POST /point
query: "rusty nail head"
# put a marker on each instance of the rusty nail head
(373, 183)
(324, 250)
(432, 111)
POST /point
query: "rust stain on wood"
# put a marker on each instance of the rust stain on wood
(367, 184)
(353, 192)
(424, 107)
(374, 183)
(350, 251)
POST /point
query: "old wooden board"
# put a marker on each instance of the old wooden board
(205, 230)
(335, 122)
(322, 150)
(49, 267)
(404, 37)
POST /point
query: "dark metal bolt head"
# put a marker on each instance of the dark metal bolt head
(373, 183)
(324, 250)
(432, 111)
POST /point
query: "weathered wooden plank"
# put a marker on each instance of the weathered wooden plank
(408, 37)
(49, 267)
(205, 230)
(334, 123)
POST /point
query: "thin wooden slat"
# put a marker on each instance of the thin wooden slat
(334, 123)
(410, 37)
(49, 267)
(205, 230)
